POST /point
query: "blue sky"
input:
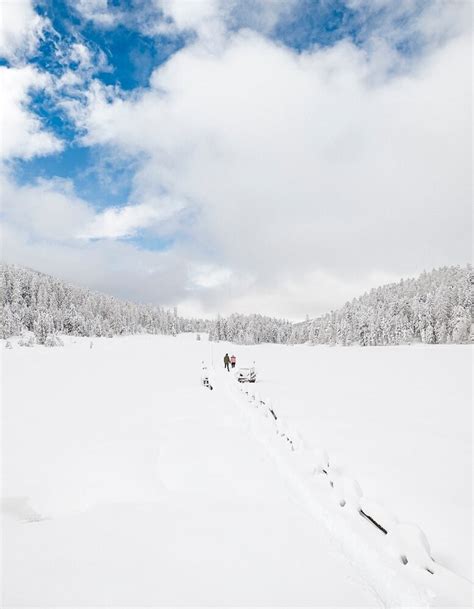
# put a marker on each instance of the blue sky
(129, 117)
(130, 58)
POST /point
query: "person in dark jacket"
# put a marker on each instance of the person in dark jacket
(226, 361)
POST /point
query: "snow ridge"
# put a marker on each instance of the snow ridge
(393, 557)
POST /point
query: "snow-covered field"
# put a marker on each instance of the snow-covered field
(398, 419)
(126, 483)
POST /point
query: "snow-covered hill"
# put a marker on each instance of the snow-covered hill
(38, 303)
(127, 483)
(434, 308)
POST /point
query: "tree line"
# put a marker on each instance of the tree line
(436, 307)
(38, 303)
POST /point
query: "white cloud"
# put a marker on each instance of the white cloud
(303, 164)
(115, 222)
(82, 55)
(429, 23)
(23, 135)
(20, 28)
(211, 20)
(39, 228)
(120, 222)
(312, 293)
(97, 11)
(190, 15)
(114, 267)
(209, 276)
(47, 210)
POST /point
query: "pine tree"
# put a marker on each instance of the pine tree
(43, 326)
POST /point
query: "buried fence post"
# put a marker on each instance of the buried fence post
(378, 515)
(373, 521)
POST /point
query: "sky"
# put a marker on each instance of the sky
(279, 157)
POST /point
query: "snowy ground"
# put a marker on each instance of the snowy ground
(398, 419)
(125, 483)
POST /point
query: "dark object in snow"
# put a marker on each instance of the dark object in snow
(374, 522)
(205, 378)
(206, 383)
(272, 412)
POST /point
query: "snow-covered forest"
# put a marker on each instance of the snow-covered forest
(434, 308)
(38, 303)
(251, 329)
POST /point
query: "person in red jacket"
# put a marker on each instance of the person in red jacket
(233, 361)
